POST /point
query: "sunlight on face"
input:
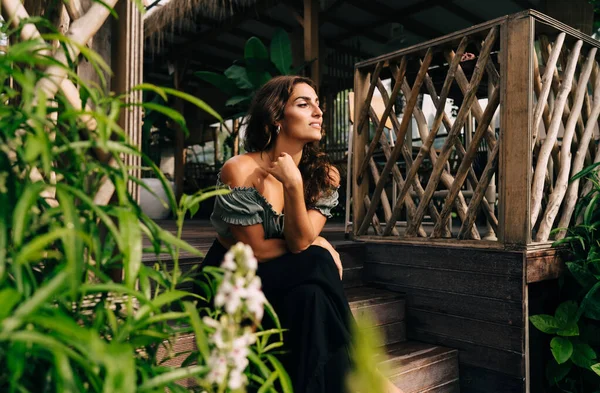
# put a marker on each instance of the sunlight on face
(302, 117)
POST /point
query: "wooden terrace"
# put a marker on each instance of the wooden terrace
(454, 258)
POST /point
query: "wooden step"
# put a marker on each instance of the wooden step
(419, 367)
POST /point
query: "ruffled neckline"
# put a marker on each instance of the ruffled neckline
(252, 190)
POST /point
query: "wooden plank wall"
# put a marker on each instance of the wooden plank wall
(468, 299)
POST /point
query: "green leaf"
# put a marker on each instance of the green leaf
(9, 297)
(132, 239)
(201, 339)
(255, 49)
(281, 51)
(590, 305)
(582, 275)
(239, 76)
(171, 239)
(583, 355)
(569, 330)
(284, 379)
(120, 369)
(66, 382)
(157, 381)
(72, 243)
(159, 301)
(585, 171)
(566, 313)
(170, 113)
(557, 372)
(562, 349)
(545, 323)
(596, 368)
(220, 81)
(22, 212)
(590, 209)
(238, 100)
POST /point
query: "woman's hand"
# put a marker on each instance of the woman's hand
(285, 170)
(321, 242)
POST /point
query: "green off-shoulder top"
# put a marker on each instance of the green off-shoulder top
(246, 206)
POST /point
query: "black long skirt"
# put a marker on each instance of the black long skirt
(307, 294)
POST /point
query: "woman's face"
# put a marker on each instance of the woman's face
(302, 117)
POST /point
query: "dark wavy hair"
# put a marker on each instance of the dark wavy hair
(266, 109)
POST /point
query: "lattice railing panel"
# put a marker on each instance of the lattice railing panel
(428, 177)
(565, 124)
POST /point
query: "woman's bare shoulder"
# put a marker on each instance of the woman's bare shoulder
(239, 170)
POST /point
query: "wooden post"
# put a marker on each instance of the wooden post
(516, 102)
(101, 44)
(360, 140)
(311, 39)
(128, 54)
(179, 155)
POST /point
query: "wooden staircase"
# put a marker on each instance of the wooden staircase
(412, 366)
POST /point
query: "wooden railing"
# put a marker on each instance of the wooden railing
(534, 131)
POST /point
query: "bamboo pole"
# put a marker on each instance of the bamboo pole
(472, 177)
(364, 113)
(475, 204)
(387, 151)
(476, 109)
(80, 32)
(546, 84)
(560, 187)
(428, 142)
(456, 127)
(388, 108)
(407, 154)
(400, 141)
(578, 161)
(537, 189)
(467, 161)
(445, 177)
(374, 219)
(385, 202)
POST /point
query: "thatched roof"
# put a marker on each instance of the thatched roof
(169, 16)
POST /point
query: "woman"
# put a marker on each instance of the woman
(282, 193)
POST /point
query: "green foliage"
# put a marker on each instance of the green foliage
(67, 322)
(575, 325)
(243, 79)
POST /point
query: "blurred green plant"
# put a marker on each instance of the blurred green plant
(575, 325)
(369, 368)
(246, 76)
(80, 311)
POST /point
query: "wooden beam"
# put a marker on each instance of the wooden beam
(516, 101)
(179, 155)
(311, 38)
(128, 70)
(389, 15)
(365, 33)
(463, 13)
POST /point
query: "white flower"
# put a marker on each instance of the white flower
(236, 379)
(218, 367)
(208, 321)
(228, 262)
(255, 298)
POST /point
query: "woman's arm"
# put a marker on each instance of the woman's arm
(238, 172)
(301, 227)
